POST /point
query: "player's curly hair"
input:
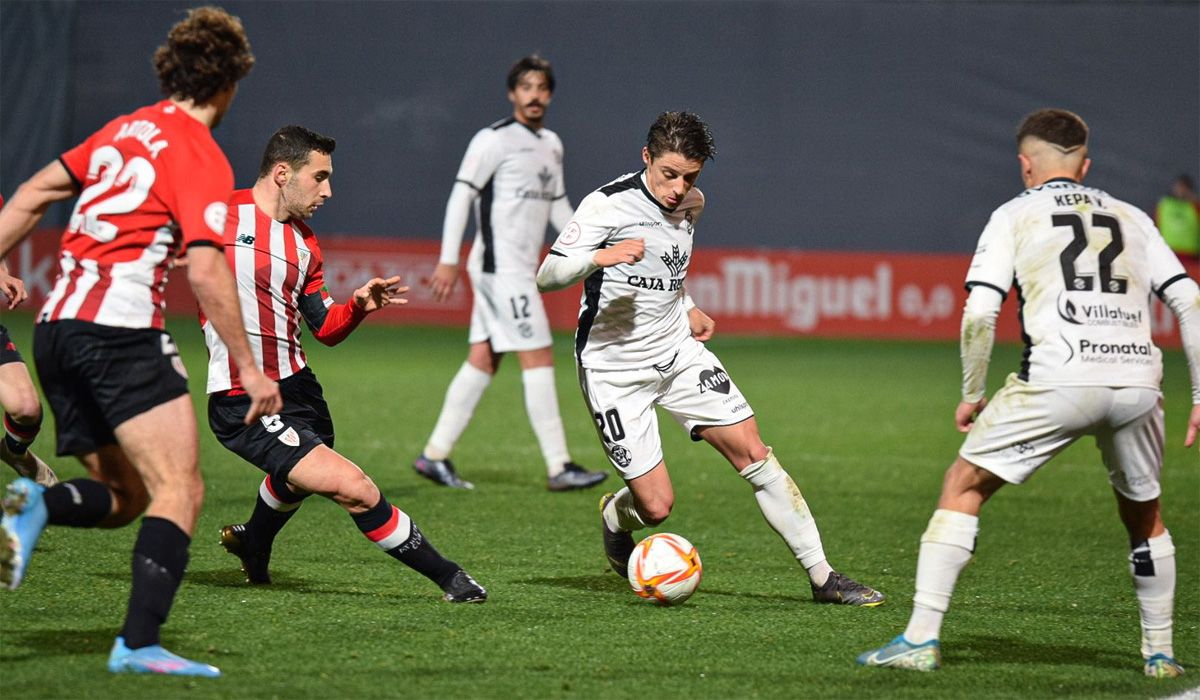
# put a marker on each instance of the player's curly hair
(205, 53)
(683, 133)
(1057, 126)
(532, 62)
(293, 145)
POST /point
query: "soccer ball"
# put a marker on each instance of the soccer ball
(664, 568)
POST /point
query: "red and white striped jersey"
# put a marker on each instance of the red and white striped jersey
(152, 183)
(275, 264)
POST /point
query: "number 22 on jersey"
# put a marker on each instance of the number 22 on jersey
(1109, 284)
(121, 188)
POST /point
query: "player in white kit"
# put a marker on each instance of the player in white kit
(513, 173)
(1084, 265)
(640, 344)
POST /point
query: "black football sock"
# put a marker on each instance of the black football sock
(160, 556)
(275, 505)
(396, 533)
(77, 503)
(18, 436)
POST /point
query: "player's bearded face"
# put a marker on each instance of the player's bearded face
(530, 97)
(308, 188)
(670, 176)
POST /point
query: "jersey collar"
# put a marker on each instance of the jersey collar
(641, 181)
(1061, 179)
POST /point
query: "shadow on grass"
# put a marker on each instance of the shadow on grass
(232, 578)
(772, 598)
(226, 578)
(37, 644)
(611, 582)
(1003, 650)
(589, 582)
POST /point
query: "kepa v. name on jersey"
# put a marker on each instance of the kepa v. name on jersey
(274, 264)
(632, 315)
(152, 183)
(518, 174)
(1084, 265)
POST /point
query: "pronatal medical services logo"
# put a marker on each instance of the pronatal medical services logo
(675, 262)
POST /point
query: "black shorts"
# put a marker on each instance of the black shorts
(97, 377)
(275, 444)
(8, 351)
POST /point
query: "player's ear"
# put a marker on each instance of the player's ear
(281, 173)
(646, 155)
(1083, 169)
(1026, 169)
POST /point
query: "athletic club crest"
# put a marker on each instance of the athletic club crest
(290, 438)
(675, 262)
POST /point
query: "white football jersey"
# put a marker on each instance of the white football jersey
(1084, 265)
(632, 315)
(517, 173)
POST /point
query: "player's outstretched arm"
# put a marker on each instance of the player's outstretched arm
(28, 204)
(332, 323)
(11, 287)
(213, 284)
(559, 271)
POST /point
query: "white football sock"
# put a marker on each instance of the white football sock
(620, 515)
(946, 548)
(462, 397)
(1152, 564)
(541, 403)
(787, 513)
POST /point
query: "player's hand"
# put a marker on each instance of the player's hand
(12, 288)
(1193, 427)
(264, 395)
(378, 293)
(623, 253)
(966, 413)
(442, 281)
(702, 325)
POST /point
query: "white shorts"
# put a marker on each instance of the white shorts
(694, 388)
(1025, 425)
(507, 311)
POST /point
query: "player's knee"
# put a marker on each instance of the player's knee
(358, 493)
(656, 512)
(25, 408)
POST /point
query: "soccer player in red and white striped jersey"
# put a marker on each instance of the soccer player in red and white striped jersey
(18, 397)
(279, 270)
(151, 184)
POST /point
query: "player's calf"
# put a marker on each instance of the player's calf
(395, 533)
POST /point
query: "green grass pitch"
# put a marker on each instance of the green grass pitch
(1046, 609)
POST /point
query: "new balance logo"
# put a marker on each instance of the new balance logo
(245, 239)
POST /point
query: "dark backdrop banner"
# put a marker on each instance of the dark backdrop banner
(839, 125)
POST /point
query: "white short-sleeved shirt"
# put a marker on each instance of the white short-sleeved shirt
(1084, 265)
(632, 315)
(517, 173)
